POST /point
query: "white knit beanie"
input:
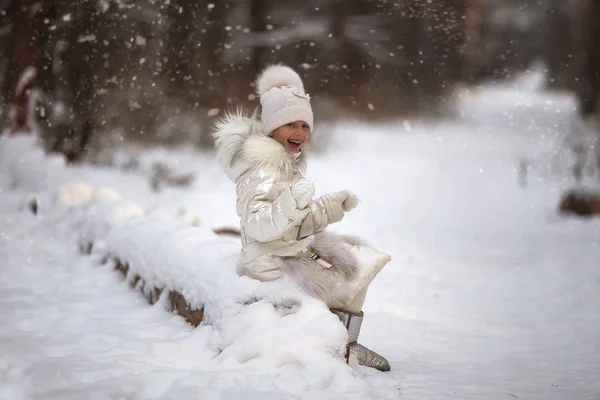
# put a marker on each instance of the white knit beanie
(282, 98)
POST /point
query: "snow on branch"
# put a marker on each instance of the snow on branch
(315, 29)
(26, 79)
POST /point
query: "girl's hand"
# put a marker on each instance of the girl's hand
(303, 192)
(350, 202)
(337, 203)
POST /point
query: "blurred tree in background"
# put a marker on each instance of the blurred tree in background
(103, 71)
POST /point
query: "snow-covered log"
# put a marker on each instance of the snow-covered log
(176, 266)
(582, 202)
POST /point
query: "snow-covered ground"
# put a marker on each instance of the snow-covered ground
(490, 294)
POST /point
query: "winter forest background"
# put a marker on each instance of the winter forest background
(468, 129)
(161, 71)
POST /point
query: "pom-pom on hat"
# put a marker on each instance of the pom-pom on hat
(282, 98)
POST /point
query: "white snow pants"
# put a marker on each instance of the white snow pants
(358, 302)
(370, 262)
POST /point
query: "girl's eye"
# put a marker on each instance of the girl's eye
(290, 124)
(305, 126)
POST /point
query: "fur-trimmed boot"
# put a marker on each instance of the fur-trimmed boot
(356, 353)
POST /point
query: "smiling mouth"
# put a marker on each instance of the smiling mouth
(295, 142)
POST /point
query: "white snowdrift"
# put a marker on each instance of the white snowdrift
(490, 294)
(270, 327)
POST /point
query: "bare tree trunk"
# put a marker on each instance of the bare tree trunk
(413, 42)
(590, 88)
(216, 85)
(338, 30)
(473, 41)
(70, 135)
(182, 17)
(339, 74)
(23, 54)
(560, 45)
(46, 78)
(6, 46)
(213, 40)
(258, 22)
(453, 48)
(591, 70)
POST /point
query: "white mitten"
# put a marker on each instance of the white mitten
(351, 201)
(303, 192)
(337, 203)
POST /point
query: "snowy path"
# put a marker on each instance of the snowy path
(70, 323)
(490, 294)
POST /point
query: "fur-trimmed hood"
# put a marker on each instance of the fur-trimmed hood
(241, 145)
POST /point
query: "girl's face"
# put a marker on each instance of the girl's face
(293, 136)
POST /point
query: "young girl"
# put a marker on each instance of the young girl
(282, 226)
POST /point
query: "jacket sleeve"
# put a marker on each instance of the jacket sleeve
(271, 212)
(322, 213)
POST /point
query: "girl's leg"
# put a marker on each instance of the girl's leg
(357, 304)
(352, 316)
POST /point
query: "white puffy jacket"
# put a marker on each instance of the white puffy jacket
(263, 171)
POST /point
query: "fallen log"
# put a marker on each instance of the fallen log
(227, 231)
(582, 202)
(175, 300)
